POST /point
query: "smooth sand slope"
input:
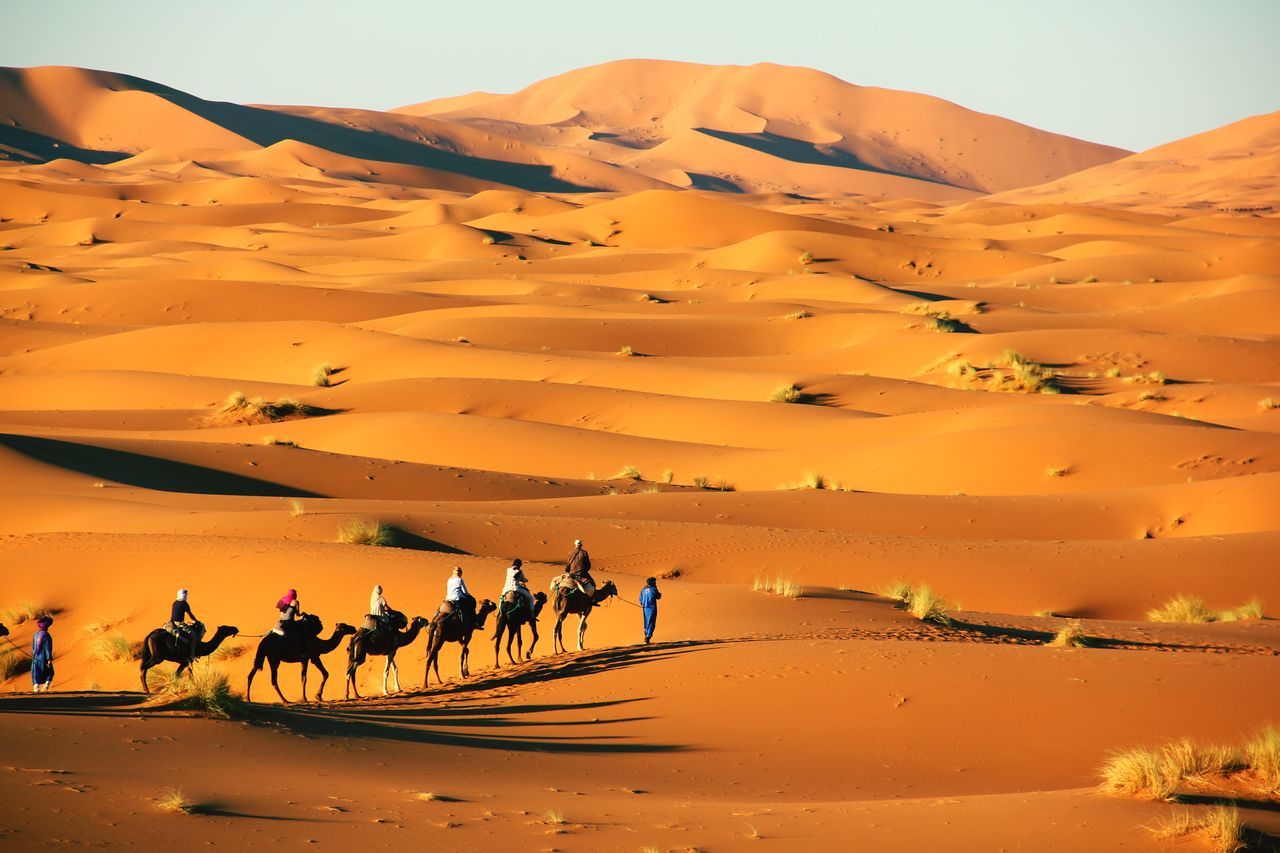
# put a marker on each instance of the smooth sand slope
(1047, 411)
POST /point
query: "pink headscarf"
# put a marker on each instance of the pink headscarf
(289, 598)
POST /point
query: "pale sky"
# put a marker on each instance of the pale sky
(1131, 73)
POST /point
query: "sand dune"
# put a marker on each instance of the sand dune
(742, 323)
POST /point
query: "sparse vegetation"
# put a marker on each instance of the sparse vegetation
(1158, 773)
(1070, 636)
(667, 476)
(927, 606)
(427, 797)
(361, 532)
(172, 801)
(812, 480)
(1268, 403)
(627, 351)
(237, 410)
(12, 663)
(204, 689)
(798, 315)
(1150, 395)
(786, 394)
(945, 324)
(296, 508)
(320, 376)
(1057, 471)
(110, 647)
(805, 258)
(1155, 377)
(630, 472)
(898, 591)
(272, 441)
(779, 585)
(554, 818)
(1190, 608)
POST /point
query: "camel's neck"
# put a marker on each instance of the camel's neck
(479, 623)
(330, 644)
(409, 636)
(208, 647)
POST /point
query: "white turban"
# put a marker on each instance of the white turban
(182, 595)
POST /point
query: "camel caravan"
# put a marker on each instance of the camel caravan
(296, 637)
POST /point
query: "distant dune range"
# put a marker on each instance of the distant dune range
(722, 323)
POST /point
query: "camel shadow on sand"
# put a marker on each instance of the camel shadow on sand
(473, 719)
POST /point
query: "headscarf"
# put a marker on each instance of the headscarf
(289, 598)
(182, 595)
(44, 622)
(517, 562)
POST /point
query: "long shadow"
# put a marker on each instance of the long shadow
(267, 127)
(798, 151)
(31, 147)
(388, 719)
(148, 472)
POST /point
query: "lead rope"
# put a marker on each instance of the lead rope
(17, 647)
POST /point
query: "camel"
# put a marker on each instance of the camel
(161, 646)
(446, 629)
(576, 602)
(301, 644)
(383, 642)
(512, 616)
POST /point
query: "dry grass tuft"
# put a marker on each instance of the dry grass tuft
(1190, 608)
(668, 475)
(629, 472)
(1137, 773)
(786, 394)
(1070, 636)
(798, 315)
(320, 376)
(1055, 471)
(110, 647)
(1220, 826)
(12, 664)
(927, 606)
(783, 586)
(898, 591)
(271, 440)
(361, 532)
(1262, 756)
(1155, 377)
(1268, 403)
(812, 480)
(172, 802)
(237, 410)
(204, 689)
(296, 508)
(554, 818)
(626, 351)
(427, 797)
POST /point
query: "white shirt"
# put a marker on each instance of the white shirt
(377, 605)
(455, 589)
(512, 584)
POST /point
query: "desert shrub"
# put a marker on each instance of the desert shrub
(805, 258)
(1155, 377)
(1089, 279)
(12, 663)
(927, 606)
(626, 351)
(779, 585)
(1268, 403)
(361, 532)
(720, 484)
(238, 410)
(1070, 636)
(629, 472)
(786, 394)
(898, 591)
(172, 801)
(1157, 773)
(110, 647)
(1136, 773)
(1182, 608)
(1220, 826)
(812, 480)
(204, 688)
(272, 441)
(296, 508)
(1262, 756)
(320, 376)
(1190, 608)
(1056, 471)
(668, 475)
(702, 482)
(798, 315)
(946, 324)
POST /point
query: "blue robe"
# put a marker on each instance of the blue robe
(649, 604)
(41, 658)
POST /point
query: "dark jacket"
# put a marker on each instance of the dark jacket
(579, 562)
(180, 610)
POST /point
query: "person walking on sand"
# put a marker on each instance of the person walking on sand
(42, 656)
(649, 605)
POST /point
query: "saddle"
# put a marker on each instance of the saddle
(392, 621)
(513, 602)
(456, 610)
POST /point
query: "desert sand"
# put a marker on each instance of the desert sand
(741, 324)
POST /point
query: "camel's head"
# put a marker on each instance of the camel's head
(343, 629)
(609, 588)
(4, 632)
(486, 607)
(226, 631)
(420, 622)
(539, 598)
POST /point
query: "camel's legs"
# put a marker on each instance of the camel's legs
(466, 653)
(324, 676)
(582, 629)
(386, 668)
(275, 679)
(533, 626)
(395, 671)
(305, 662)
(557, 635)
(146, 665)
